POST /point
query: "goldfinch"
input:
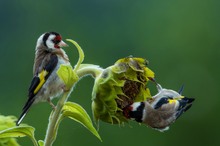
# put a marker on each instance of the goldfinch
(45, 84)
(160, 111)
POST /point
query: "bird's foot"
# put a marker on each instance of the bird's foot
(51, 103)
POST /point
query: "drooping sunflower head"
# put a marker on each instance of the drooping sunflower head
(120, 85)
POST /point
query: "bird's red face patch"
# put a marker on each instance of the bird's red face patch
(56, 41)
(127, 110)
(56, 46)
(58, 37)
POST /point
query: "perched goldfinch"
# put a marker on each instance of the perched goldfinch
(45, 84)
(161, 111)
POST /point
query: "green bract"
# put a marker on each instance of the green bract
(9, 131)
(7, 122)
(118, 86)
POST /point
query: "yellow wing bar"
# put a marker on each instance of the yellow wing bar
(41, 76)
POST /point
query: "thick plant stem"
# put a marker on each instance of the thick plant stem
(69, 78)
(54, 118)
(89, 69)
(55, 115)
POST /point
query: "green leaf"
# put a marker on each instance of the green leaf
(19, 131)
(81, 54)
(75, 112)
(69, 77)
(41, 142)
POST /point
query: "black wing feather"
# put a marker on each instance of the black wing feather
(34, 83)
(36, 80)
(49, 67)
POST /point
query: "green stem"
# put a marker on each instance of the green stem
(55, 115)
(52, 131)
(54, 119)
(80, 70)
(89, 69)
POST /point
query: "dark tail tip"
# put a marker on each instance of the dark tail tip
(187, 107)
(179, 113)
(186, 104)
(189, 100)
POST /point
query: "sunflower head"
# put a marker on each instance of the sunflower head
(120, 85)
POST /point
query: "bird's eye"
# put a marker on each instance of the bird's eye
(164, 98)
(55, 41)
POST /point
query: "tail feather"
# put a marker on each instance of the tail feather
(182, 104)
(187, 107)
(179, 113)
(189, 100)
(182, 110)
(185, 104)
(24, 111)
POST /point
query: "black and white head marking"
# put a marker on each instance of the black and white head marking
(51, 40)
(137, 111)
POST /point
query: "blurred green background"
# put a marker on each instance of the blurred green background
(180, 38)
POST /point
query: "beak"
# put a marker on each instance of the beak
(159, 87)
(152, 79)
(181, 90)
(63, 44)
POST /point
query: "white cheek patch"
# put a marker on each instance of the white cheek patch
(135, 106)
(49, 42)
